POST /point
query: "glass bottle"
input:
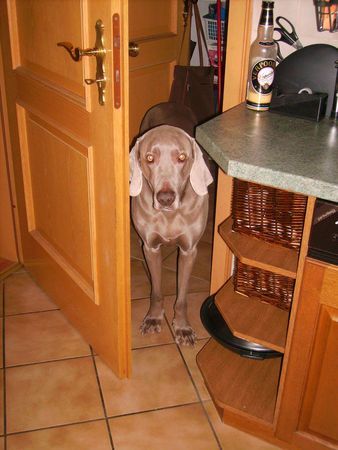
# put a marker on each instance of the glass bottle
(262, 62)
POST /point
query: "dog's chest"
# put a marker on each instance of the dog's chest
(181, 227)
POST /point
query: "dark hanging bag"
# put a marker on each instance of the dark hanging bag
(193, 86)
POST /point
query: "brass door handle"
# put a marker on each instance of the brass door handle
(77, 53)
(134, 49)
(99, 52)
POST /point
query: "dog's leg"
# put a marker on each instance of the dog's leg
(153, 319)
(184, 334)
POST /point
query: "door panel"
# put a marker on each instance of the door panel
(156, 92)
(33, 41)
(157, 27)
(157, 18)
(73, 156)
(58, 178)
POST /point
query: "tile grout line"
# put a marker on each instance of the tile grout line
(53, 427)
(32, 312)
(196, 390)
(66, 358)
(4, 366)
(160, 408)
(102, 399)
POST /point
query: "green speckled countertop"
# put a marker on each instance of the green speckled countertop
(280, 151)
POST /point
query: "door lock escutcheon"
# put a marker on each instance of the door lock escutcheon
(134, 49)
(99, 52)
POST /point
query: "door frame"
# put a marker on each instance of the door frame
(237, 48)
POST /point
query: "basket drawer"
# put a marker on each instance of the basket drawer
(267, 213)
(268, 286)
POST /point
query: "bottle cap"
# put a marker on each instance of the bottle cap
(266, 18)
(267, 5)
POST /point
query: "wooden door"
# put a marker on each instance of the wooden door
(72, 155)
(156, 26)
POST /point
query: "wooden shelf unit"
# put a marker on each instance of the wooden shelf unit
(251, 319)
(258, 253)
(248, 386)
(240, 384)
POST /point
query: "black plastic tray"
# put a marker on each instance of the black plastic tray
(217, 327)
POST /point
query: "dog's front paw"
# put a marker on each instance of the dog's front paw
(184, 335)
(151, 325)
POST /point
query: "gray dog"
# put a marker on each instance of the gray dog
(168, 186)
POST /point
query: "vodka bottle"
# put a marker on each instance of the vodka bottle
(262, 62)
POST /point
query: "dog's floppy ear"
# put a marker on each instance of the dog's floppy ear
(200, 176)
(135, 173)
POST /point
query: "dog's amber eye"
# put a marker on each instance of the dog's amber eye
(182, 157)
(150, 158)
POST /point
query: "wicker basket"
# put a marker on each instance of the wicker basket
(267, 213)
(268, 286)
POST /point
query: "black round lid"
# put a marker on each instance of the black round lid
(219, 330)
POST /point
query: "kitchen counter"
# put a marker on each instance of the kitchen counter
(295, 407)
(304, 158)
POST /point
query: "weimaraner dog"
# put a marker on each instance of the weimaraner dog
(168, 186)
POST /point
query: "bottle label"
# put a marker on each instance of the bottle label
(262, 76)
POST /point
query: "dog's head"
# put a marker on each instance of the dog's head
(168, 158)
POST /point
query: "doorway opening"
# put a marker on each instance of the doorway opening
(158, 37)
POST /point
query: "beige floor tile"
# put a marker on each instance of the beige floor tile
(181, 428)
(85, 436)
(159, 379)
(231, 438)
(139, 309)
(23, 295)
(195, 301)
(2, 443)
(135, 244)
(209, 229)
(141, 287)
(202, 264)
(42, 336)
(140, 284)
(169, 283)
(189, 355)
(49, 394)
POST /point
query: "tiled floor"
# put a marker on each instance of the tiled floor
(57, 394)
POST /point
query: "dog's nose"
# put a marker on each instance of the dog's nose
(165, 197)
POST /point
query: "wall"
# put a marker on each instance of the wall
(302, 14)
(203, 6)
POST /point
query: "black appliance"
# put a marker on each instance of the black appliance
(323, 243)
(311, 68)
(219, 330)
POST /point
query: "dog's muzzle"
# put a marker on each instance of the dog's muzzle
(166, 198)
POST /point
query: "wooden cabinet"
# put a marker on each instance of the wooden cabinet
(313, 422)
(293, 400)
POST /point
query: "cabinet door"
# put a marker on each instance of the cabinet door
(320, 407)
(309, 409)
